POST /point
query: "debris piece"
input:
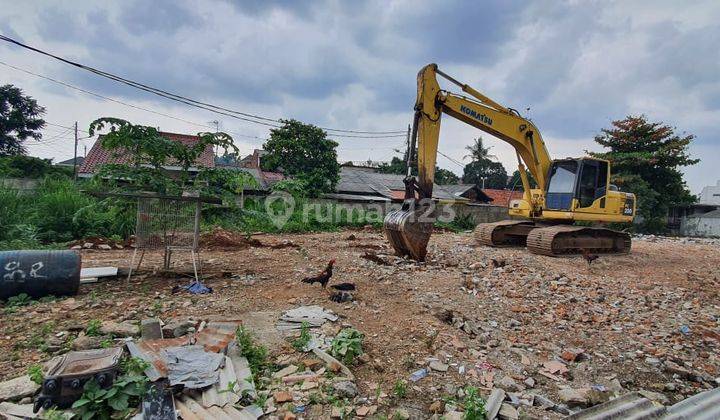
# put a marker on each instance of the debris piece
(345, 389)
(438, 366)
(16, 411)
(243, 374)
(97, 272)
(18, 388)
(119, 329)
(509, 412)
(333, 361)
(192, 366)
(574, 397)
(288, 370)
(314, 315)
(371, 256)
(63, 383)
(282, 396)
(494, 403)
(158, 403)
(197, 288)
(224, 391)
(150, 329)
(572, 355)
(418, 374)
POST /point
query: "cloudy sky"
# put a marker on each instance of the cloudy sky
(351, 65)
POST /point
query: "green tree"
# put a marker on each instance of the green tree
(493, 172)
(646, 158)
(303, 152)
(19, 120)
(516, 182)
(482, 166)
(396, 166)
(149, 152)
(445, 177)
(478, 152)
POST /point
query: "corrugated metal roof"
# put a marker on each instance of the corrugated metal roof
(632, 406)
(703, 406)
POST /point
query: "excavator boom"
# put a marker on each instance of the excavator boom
(590, 199)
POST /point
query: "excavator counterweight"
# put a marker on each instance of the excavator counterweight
(568, 190)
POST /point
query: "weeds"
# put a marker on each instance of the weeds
(93, 328)
(256, 355)
(300, 344)
(474, 404)
(36, 374)
(400, 389)
(347, 345)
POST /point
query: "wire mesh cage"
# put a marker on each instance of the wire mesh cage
(170, 224)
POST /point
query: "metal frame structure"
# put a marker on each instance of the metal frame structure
(168, 223)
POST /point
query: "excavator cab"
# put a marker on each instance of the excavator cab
(584, 180)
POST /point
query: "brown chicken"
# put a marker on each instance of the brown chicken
(588, 256)
(324, 277)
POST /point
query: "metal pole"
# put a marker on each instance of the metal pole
(75, 168)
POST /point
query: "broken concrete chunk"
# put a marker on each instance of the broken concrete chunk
(438, 366)
(345, 389)
(494, 403)
(508, 384)
(574, 397)
(18, 388)
(119, 329)
(150, 329)
(282, 396)
(288, 370)
(508, 412)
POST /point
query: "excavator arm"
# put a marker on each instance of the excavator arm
(480, 112)
(409, 228)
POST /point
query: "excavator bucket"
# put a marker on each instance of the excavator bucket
(408, 230)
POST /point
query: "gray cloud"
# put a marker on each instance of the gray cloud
(576, 65)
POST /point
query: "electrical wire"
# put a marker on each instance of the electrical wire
(257, 119)
(150, 110)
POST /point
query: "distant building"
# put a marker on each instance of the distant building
(71, 162)
(502, 197)
(472, 192)
(98, 156)
(710, 195)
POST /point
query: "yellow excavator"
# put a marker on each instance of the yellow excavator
(568, 190)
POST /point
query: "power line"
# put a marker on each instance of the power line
(65, 84)
(451, 159)
(257, 119)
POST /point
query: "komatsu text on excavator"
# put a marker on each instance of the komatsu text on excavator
(568, 190)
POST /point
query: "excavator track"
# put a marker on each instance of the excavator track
(503, 233)
(572, 240)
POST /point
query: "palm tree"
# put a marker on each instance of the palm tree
(478, 153)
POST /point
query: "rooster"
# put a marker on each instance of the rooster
(588, 256)
(324, 277)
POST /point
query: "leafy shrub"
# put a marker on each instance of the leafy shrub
(21, 166)
(256, 355)
(301, 342)
(35, 373)
(93, 328)
(474, 404)
(117, 401)
(347, 345)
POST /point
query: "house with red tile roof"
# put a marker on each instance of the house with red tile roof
(502, 197)
(98, 155)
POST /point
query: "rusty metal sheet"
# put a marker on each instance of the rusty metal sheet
(214, 338)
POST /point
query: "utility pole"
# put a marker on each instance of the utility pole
(75, 168)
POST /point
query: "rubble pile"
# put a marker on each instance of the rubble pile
(531, 335)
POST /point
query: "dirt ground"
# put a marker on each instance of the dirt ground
(649, 320)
